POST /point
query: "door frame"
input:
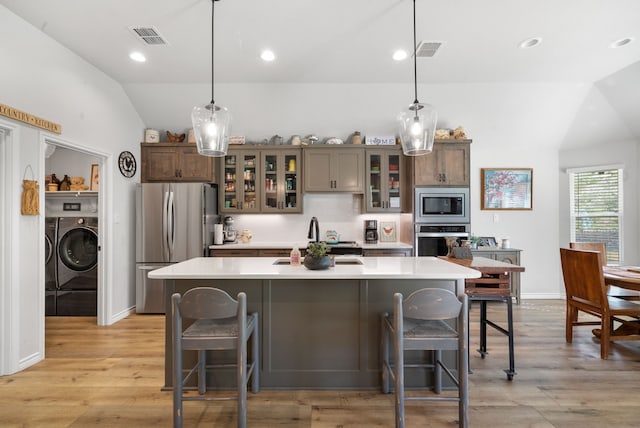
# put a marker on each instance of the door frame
(9, 312)
(105, 256)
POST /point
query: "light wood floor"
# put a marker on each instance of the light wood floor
(112, 377)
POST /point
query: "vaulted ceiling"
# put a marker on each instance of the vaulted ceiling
(352, 41)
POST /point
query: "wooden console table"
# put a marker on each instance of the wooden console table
(506, 255)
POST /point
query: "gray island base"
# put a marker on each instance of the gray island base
(319, 329)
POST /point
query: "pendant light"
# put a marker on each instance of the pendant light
(418, 125)
(211, 123)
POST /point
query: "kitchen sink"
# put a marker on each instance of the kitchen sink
(337, 261)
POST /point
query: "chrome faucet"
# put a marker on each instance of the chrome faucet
(314, 220)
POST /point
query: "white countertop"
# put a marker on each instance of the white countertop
(263, 268)
(301, 244)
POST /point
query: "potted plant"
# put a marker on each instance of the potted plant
(475, 240)
(316, 257)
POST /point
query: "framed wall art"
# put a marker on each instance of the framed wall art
(388, 231)
(487, 241)
(507, 188)
(94, 177)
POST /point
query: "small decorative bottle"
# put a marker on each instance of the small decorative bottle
(294, 257)
(65, 184)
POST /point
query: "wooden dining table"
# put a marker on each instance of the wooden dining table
(622, 276)
(627, 277)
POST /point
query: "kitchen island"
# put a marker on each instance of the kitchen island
(319, 329)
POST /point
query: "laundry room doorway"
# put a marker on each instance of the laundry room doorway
(78, 214)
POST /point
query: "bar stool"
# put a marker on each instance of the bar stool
(419, 323)
(493, 287)
(220, 323)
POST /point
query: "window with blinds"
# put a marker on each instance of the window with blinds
(596, 209)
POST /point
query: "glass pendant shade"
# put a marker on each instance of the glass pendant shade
(417, 127)
(211, 123)
(211, 128)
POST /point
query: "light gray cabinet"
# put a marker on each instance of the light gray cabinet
(315, 333)
(240, 174)
(281, 186)
(386, 187)
(508, 255)
(334, 169)
(264, 180)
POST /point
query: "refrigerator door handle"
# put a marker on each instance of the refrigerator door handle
(172, 227)
(165, 244)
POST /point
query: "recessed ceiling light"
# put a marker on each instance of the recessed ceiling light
(620, 43)
(267, 55)
(400, 55)
(531, 42)
(137, 56)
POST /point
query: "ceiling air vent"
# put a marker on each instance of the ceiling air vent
(148, 35)
(427, 49)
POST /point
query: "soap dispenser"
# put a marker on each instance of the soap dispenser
(294, 257)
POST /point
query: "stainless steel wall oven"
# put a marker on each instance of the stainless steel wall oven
(431, 239)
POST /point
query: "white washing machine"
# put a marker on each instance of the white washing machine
(77, 266)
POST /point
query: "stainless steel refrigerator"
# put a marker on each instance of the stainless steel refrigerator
(174, 222)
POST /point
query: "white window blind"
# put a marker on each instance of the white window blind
(596, 209)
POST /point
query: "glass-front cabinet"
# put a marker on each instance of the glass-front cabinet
(384, 180)
(261, 181)
(281, 181)
(240, 185)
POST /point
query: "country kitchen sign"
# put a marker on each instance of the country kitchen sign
(29, 119)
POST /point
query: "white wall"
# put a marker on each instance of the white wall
(42, 78)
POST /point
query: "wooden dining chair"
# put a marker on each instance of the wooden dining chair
(586, 292)
(601, 247)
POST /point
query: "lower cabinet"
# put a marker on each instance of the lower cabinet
(254, 252)
(509, 255)
(387, 252)
(286, 252)
(275, 252)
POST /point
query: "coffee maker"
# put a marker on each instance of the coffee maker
(371, 231)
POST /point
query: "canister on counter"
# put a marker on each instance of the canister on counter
(356, 138)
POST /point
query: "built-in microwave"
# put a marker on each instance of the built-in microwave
(442, 205)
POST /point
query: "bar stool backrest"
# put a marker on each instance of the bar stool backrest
(207, 303)
(431, 304)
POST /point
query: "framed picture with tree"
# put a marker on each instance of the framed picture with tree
(507, 189)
